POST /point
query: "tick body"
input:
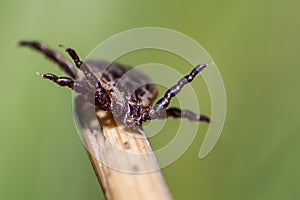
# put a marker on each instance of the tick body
(125, 92)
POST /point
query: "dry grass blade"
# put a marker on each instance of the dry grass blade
(124, 162)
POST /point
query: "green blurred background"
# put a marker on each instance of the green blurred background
(255, 44)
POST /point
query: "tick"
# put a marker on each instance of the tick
(129, 98)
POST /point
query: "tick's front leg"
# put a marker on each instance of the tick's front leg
(164, 102)
(61, 81)
(81, 88)
(65, 64)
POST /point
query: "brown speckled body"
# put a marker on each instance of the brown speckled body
(131, 92)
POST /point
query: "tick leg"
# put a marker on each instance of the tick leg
(64, 64)
(61, 81)
(79, 87)
(178, 113)
(165, 101)
(83, 67)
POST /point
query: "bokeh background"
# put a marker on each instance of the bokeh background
(255, 44)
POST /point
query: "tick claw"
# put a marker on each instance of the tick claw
(39, 74)
(211, 63)
(14, 44)
(61, 46)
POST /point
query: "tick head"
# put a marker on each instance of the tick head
(128, 114)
